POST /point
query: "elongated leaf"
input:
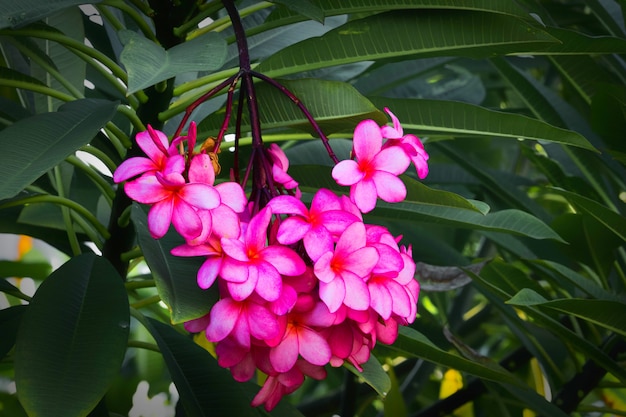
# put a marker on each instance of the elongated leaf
(204, 387)
(336, 106)
(175, 277)
(412, 343)
(613, 221)
(374, 375)
(305, 8)
(409, 34)
(75, 327)
(148, 63)
(18, 13)
(35, 270)
(575, 42)
(606, 313)
(448, 118)
(34, 145)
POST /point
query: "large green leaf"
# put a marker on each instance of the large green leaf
(148, 63)
(10, 319)
(409, 34)
(577, 43)
(175, 276)
(373, 374)
(34, 145)
(75, 328)
(305, 8)
(606, 313)
(449, 118)
(204, 387)
(18, 13)
(335, 106)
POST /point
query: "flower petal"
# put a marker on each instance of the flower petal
(200, 195)
(357, 295)
(313, 347)
(347, 172)
(224, 315)
(389, 187)
(333, 293)
(364, 195)
(284, 356)
(132, 167)
(160, 218)
(367, 140)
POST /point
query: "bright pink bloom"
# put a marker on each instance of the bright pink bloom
(342, 272)
(410, 144)
(156, 146)
(174, 202)
(262, 265)
(375, 171)
(242, 320)
(299, 339)
(315, 227)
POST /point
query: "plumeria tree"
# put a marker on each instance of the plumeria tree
(312, 207)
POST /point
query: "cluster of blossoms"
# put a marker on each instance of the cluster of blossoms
(300, 287)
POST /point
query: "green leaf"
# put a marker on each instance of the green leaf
(409, 34)
(576, 42)
(204, 387)
(148, 63)
(373, 375)
(412, 343)
(10, 319)
(175, 276)
(306, 8)
(75, 327)
(35, 270)
(19, 13)
(394, 402)
(612, 220)
(606, 313)
(36, 144)
(336, 106)
(448, 118)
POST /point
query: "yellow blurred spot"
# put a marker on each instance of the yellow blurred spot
(24, 245)
(202, 341)
(429, 306)
(451, 382)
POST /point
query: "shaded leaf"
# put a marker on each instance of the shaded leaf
(35, 270)
(65, 339)
(373, 375)
(10, 319)
(305, 8)
(445, 278)
(409, 34)
(34, 145)
(148, 63)
(606, 313)
(335, 106)
(175, 276)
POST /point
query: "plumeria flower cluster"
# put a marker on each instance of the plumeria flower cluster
(301, 287)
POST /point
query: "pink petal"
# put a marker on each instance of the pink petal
(269, 284)
(202, 196)
(292, 229)
(146, 190)
(284, 260)
(364, 195)
(361, 261)
(389, 187)
(147, 143)
(284, 356)
(333, 293)
(367, 140)
(263, 324)
(133, 167)
(174, 164)
(233, 270)
(160, 217)
(235, 248)
(325, 200)
(313, 347)
(380, 299)
(227, 224)
(224, 315)
(317, 242)
(243, 290)
(322, 268)
(352, 239)
(392, 159)
(208, 272)
(232, 195)
(394, 132)
(401, 299)
(201, 169)
(357, 295)
(185, 220)
(336, 221)
(286, 204)
(347, 172)
(256, 231)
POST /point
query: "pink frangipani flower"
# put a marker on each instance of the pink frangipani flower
(410, 144)
(375, 171)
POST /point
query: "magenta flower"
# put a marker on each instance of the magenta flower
(375, 171)
(156, 146)
(315, 227)
(342, 272)
(299, 339)
(262, 265)
(174, 202)
(410, 144)
(279, 168)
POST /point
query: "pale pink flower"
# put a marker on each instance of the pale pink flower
(375, 171)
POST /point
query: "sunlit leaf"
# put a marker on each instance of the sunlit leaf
(148, 63)
(34, 145)
(65, 339)
(409, 34)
